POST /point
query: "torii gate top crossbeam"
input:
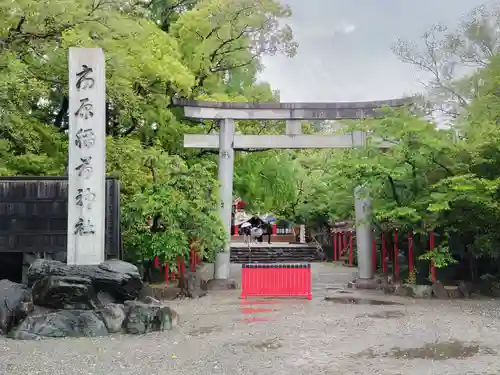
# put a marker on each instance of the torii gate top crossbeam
(205, 110)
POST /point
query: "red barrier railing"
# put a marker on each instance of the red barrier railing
(276, 280)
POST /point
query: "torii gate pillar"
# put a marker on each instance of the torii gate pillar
(293, 114)
(226, 171)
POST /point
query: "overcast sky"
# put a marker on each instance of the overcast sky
(344, 47)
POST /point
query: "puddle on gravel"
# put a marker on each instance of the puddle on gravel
(256, 320)
(269, 302)
(441, 351)
(249, 310)
(383, 315)
(359, 301)
(204, 330)
(437, 351)
(268, 345)
(259, 302)
(265, 346)
(256, 310)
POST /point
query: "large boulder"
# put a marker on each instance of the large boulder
(120, 280)
(62, 323)
(423, 291)
(413, 290)
(148, 317)
(65, 292)
(15, 304)
(439, 290)
(113, 316)
(192, 286)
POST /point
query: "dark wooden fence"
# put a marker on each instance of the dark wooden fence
(34, 213)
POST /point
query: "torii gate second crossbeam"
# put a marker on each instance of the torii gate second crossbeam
(293, 113)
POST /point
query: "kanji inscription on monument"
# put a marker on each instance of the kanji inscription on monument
(87, 156)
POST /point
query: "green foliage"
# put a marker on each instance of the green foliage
(412, 278)
(154, 51)
(183, 210)
(440, 256)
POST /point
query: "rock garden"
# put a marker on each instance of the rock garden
(63, 300)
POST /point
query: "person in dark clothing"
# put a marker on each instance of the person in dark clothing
(269, 233)
(246, 231)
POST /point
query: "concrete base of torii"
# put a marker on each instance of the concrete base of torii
(222, 284)
(365, 284)
(222, 273)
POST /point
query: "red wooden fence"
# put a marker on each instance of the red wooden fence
(276, 280)
(194, 260)
(339, 240)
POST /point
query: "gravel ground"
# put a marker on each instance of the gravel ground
(221, 335)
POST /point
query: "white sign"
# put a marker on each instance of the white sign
(302, 234)
(87, 156)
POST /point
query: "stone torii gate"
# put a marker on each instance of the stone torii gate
(293, 113)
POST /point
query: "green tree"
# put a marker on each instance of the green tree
(155, 51)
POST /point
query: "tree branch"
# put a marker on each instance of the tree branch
(393, 190)
(63, 111)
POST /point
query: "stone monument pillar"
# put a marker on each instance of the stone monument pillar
(87, 156)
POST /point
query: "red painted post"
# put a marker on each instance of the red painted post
(410, 252)
(334, 240)
(274, 229)
(340, 245)
(166, 273)
(156, 262)
(374, 254)
(395, 262)
(179, 270)
(191, 259)
(236, 229)
(431, 247)
(384, 254)
(351, 255)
